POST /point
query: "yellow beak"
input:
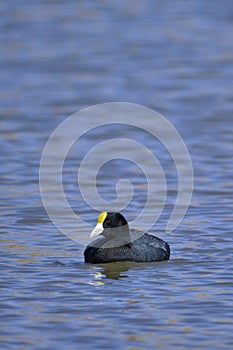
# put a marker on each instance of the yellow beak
(98, 229)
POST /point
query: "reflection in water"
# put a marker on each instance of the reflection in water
(116, 270)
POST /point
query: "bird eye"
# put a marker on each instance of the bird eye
(108, 221)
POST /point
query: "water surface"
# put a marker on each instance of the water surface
(175, 57)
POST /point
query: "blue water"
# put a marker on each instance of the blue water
(58, 57)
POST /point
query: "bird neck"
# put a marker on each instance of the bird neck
(119, 234)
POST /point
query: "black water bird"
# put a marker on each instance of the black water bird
(120, 243)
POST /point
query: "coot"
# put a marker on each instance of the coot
(120, 243)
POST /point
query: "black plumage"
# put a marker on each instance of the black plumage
(123, 244)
